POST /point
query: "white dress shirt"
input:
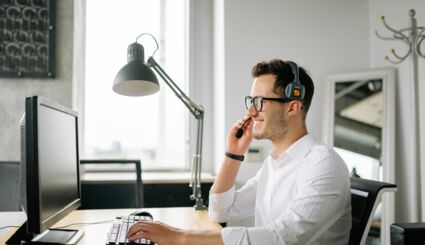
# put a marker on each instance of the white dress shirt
(300, 197)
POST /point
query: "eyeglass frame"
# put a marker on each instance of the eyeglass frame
(247, 105)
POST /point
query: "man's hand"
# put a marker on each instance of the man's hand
(156, 232)
(240, 146)
(163, 234)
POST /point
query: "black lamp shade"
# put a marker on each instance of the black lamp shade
(135, 78)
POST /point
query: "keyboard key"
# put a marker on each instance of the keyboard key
(119, 230)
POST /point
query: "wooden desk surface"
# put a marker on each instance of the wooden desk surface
(185, 218)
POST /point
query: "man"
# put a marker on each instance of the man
(300, 195)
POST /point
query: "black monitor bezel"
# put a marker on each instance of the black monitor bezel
(34, 223)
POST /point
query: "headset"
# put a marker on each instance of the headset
(295, 90)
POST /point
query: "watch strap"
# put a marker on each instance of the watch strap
(234, 156)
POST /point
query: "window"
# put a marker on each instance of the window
(153, 128)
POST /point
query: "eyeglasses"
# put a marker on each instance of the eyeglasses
(257, 101)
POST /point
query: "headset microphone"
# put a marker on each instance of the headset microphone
(239, 133)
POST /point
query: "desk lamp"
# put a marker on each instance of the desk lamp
(137, 79)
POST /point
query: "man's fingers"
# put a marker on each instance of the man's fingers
(139, 226)
(238, 124)
(241, 122)
(133, 229)
(143, 231)
(140, 235)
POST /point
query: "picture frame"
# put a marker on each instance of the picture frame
(27, 46)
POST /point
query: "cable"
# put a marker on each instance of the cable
(157, 46)
(9, 226)
(93, 223)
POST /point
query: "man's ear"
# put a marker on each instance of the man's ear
(295, 106)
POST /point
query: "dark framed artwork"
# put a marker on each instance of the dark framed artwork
(27, 38)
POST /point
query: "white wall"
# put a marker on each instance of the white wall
(14, 90)
(408, 202)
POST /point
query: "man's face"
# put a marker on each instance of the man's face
(270, 123)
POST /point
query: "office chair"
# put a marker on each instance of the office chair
(365, 197)
(10, 186)
(138, 185)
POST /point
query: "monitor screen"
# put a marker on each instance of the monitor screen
(57, 160)
(49, 163)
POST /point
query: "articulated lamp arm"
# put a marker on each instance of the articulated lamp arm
(195, 109)
(136, 78)
(198, 112)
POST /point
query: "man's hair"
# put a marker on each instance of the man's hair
(283, 72)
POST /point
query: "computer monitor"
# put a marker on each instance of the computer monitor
(49, 165)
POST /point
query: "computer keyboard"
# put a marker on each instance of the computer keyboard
(119, 229)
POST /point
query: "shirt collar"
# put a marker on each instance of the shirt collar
(298, 150)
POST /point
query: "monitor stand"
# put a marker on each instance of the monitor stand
(20, 235)
(54, 236)
(58, 236)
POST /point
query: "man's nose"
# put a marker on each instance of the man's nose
(251, 111)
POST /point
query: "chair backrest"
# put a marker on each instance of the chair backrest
(10, 186)
(365, 197)
(138, 169)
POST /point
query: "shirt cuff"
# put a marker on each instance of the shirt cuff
(224, 199)
(234, 236)
(219, 204)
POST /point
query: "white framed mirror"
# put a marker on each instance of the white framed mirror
(360, 124)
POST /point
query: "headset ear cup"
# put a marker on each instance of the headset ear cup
(288, 91)
(291, 94)
(302, 92)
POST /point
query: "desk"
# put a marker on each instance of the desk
(10, 219)
(185, 218)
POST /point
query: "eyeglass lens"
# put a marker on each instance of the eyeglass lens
(257, 102)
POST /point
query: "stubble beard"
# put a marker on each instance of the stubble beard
(275, 130)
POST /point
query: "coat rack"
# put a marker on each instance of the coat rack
(412, 36)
